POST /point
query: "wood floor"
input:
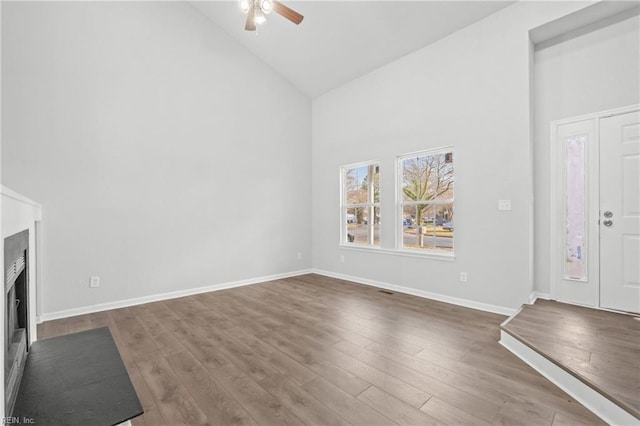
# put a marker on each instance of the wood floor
(319, 351)
(600, 348)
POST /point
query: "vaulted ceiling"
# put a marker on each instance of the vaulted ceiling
(342, 40)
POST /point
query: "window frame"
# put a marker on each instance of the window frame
(400, 204)
(344, 206)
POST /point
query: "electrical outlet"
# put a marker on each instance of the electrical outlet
(342, 258)
(504, 205)
(299, 256)
(463, 277)
(94, 282)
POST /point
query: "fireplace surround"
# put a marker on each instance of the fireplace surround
(16, 332)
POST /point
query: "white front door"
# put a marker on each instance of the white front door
(620, 212)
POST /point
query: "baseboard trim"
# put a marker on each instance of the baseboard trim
(188, 292)
(535, 295)
(165, 296)
(421, 293)
(584, 394)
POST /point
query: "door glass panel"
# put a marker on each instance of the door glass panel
(575, 251)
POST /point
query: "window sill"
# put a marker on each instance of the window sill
(447, 257)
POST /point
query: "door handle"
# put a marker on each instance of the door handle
(608, 214)
(608, 222)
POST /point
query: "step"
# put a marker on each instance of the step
(590, 354)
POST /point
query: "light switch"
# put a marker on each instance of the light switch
(504, 205)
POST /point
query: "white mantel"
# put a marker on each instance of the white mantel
(20, 213)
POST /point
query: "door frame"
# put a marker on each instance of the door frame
(593, 207)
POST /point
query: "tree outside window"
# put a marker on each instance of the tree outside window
(426, 206)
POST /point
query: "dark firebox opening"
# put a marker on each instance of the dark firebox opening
(16, 332)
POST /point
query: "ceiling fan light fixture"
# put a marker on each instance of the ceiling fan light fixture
(245, 5)
(257, 9)
(258, 16)
(266, 6)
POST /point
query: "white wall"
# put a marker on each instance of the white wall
(165, 155)
(589, 70)
(469, 90)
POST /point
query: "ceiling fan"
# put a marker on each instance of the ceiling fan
(257, 9)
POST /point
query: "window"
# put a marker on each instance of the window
(361, 204)
(426, 194)
(575, 189)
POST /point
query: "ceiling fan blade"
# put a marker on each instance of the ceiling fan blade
(288, 13)
(250, 25)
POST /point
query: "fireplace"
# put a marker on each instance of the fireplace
(16, 333)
